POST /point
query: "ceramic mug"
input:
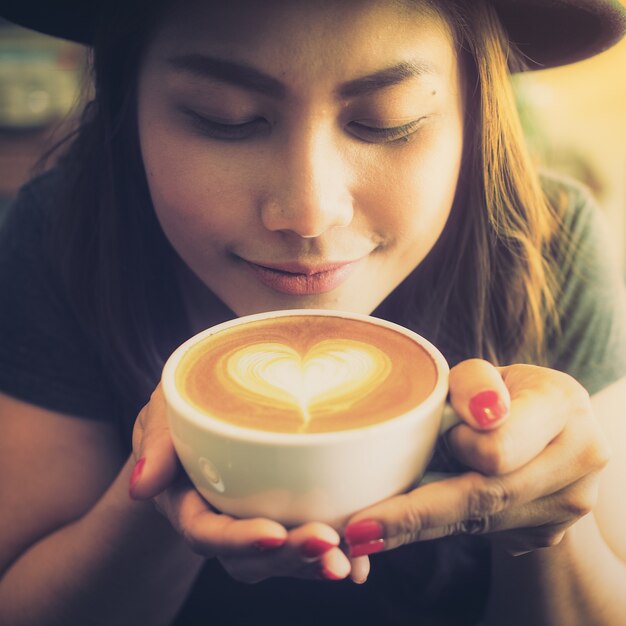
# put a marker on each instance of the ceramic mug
(305, 415)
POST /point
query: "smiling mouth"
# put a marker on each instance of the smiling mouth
(301, 280)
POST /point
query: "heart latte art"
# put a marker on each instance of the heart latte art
(332, 372)
(313, 374)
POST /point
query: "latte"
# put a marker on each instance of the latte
(311, 374)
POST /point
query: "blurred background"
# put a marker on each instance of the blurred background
(574, 117)
(40, 81)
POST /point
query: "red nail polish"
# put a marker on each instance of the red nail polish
(363, 531)
(269, 543)
(314, 547)
(487, 407)
(369, 547)
(134, 477)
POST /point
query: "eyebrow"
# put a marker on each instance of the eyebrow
(252, 79)
(385, 78)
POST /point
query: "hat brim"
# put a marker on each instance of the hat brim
(550, 33)
(547, 32)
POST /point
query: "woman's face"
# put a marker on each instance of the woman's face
(301, 154)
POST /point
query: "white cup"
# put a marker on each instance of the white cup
(297, 478)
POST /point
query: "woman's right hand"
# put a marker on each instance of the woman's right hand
(250, 550)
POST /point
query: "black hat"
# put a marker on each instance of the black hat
(547, 32)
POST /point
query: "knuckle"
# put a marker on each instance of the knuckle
(603, 455)
(578, 395)
(472, 526)
(193, 542)
(412, 521)
(494, 453)
(573, 395)
(193, 537)
(597, 455)
(579, 504)
(486, 497)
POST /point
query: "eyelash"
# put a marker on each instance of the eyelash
(224, 131)
(246, 130)
(390, 134)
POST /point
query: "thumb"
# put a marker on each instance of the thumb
(157, 464)
(478, 394)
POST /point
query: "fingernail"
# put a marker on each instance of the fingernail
(363, 531)
(330, 575)
(369, 547)
(314, 547)
(134, 477)
(269, 543)
(487, 407)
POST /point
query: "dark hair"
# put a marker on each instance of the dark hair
(115, 260)
(491, 298)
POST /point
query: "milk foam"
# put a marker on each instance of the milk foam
(306, 374)
(331, 371)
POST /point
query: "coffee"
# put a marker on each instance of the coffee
(312, 374)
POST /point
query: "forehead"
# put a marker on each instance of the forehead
(324, 35)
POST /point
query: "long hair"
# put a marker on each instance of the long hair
(114, 260)
(488, 289)
(492, 297)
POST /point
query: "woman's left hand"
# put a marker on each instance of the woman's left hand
(534, 449)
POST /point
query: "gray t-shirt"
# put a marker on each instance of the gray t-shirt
(591, 344)
(46, 358)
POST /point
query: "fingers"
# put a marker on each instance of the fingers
(468, 504)
(360, 569)
(252, 550)
(210, 533)
(157, 463)
(536, 504)
(542, 403)
(422, 513)
(525, 433)
(538, 470)
(478, 394)
(310, 552)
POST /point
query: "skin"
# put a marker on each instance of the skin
(306, 189)
(310, 183)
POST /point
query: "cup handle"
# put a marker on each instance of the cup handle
(448, 419)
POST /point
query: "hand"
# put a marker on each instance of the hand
(531, 437)
(250, 550)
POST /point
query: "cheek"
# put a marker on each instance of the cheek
(415, 190)
(196, 193)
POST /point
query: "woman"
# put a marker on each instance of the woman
(360, 155)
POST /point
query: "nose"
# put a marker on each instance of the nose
(310, 191)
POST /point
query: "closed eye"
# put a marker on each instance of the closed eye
(226, 131)
(384, 134)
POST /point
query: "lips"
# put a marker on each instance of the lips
(301, 280)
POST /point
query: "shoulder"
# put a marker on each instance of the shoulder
(573, 202)
(45, 356)
(582, 249)
(26, 231)
(33, 209)
(590, 342)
